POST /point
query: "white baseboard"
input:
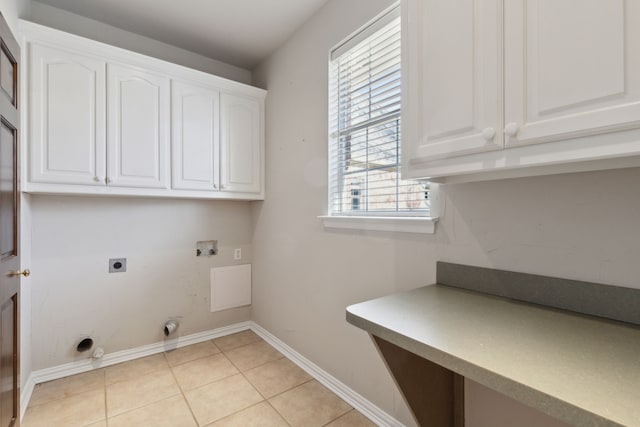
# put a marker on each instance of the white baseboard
(364, 406)
(80, 366)
(25, 395)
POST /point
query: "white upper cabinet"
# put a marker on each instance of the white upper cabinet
(451, 72)
(572, 68)
(241, 147)
(519, 87)
(67, 109)
(137, 127)
(196, 137)
(106, 121)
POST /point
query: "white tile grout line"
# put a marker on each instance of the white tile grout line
(361, 404)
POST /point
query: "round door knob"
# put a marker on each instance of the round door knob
(511, 129)
(96, 178)
(25, 273)
(488, 133)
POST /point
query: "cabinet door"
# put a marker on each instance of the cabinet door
(138, 128)
(241, 144)
(196, 137)
(572, 68)
(67, 117)
(451, 78)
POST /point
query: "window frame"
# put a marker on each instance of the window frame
(394, 221)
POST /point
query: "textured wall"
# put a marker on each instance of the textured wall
(73, 238)
(579, 226)
(73, 293)
(57, 18)
(12, 10)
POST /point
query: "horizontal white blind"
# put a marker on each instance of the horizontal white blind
(365, 126)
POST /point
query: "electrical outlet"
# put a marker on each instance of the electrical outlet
(117, 265)
(237, 254)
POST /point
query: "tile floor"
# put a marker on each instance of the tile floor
(238, 380)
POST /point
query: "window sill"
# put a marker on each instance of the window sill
(418, 225)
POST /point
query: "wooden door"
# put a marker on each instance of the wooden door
(572, 68)
(241, 144)
(67, 110)
(9, 214)
(195, 118)
(451, 79)
(137, 127)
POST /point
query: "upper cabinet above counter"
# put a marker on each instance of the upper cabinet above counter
(511, 88)
(106, 121)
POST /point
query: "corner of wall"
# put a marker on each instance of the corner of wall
(45, 14)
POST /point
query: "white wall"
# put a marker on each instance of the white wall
(57, 18)
(73, 238)
(74, 295)
(304, 276)
(580, 226)
(12, 10)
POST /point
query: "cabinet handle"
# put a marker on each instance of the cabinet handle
(222, 186)
(511, 129)
(215, 186)
(488, 133)
(97, 179)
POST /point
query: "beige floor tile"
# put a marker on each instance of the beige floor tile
(102, 423)
(260, 415)
(276, 377)
(214, 401)
(135, 368)
(308, 405)
(65, 387)
(352, 419)
(203, 371)
(191, 352)
(252, 355)
(77, 410)
(171, 412)
(124, 396)
(236, 340)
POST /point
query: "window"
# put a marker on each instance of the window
(365, 126)
(355, 195)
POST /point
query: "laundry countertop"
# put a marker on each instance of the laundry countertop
(580, 369)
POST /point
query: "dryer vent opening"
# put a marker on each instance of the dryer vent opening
(85, 345)
(170, 327)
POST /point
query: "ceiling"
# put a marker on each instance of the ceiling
(238, 32)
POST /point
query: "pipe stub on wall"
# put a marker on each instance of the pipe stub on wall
(170, 327)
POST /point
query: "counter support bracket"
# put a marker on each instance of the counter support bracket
(434, 394)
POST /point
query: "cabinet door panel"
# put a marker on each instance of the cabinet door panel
(572, 68)
(138, 128)
(241, 144)
(451, 78)
(196, 137)
(67, 106)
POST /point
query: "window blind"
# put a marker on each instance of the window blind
(365, 126)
